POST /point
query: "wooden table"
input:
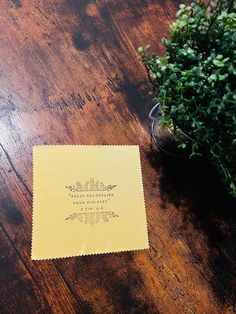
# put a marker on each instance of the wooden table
(70, 74)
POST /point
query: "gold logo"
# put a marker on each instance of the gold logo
(90, 185)
(91, 200)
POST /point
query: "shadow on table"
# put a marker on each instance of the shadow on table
(117, 279)
(208, 208)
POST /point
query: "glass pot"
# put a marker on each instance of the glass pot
(164, 137)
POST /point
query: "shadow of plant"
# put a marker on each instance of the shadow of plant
(209, 209)
(136, 96)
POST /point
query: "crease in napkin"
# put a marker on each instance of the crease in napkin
(87, 199)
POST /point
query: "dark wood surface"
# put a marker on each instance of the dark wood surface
(70, 74)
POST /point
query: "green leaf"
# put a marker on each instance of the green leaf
(182, 145)
(143, 49)
(218, 63)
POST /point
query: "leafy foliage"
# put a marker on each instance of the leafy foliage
(195, 81)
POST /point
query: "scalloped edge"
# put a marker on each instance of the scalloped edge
(84, 145)
(97, 253)
(144, 200)
(33, 184)
(89, 254)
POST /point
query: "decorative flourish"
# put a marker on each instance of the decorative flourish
(92, 218)
(90, 185)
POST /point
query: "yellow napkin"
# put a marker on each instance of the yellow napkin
(87, 200)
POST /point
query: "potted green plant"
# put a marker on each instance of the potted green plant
(195, 83)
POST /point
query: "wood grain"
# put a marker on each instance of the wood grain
(70, 74)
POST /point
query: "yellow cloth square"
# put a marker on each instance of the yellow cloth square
(87, 200)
